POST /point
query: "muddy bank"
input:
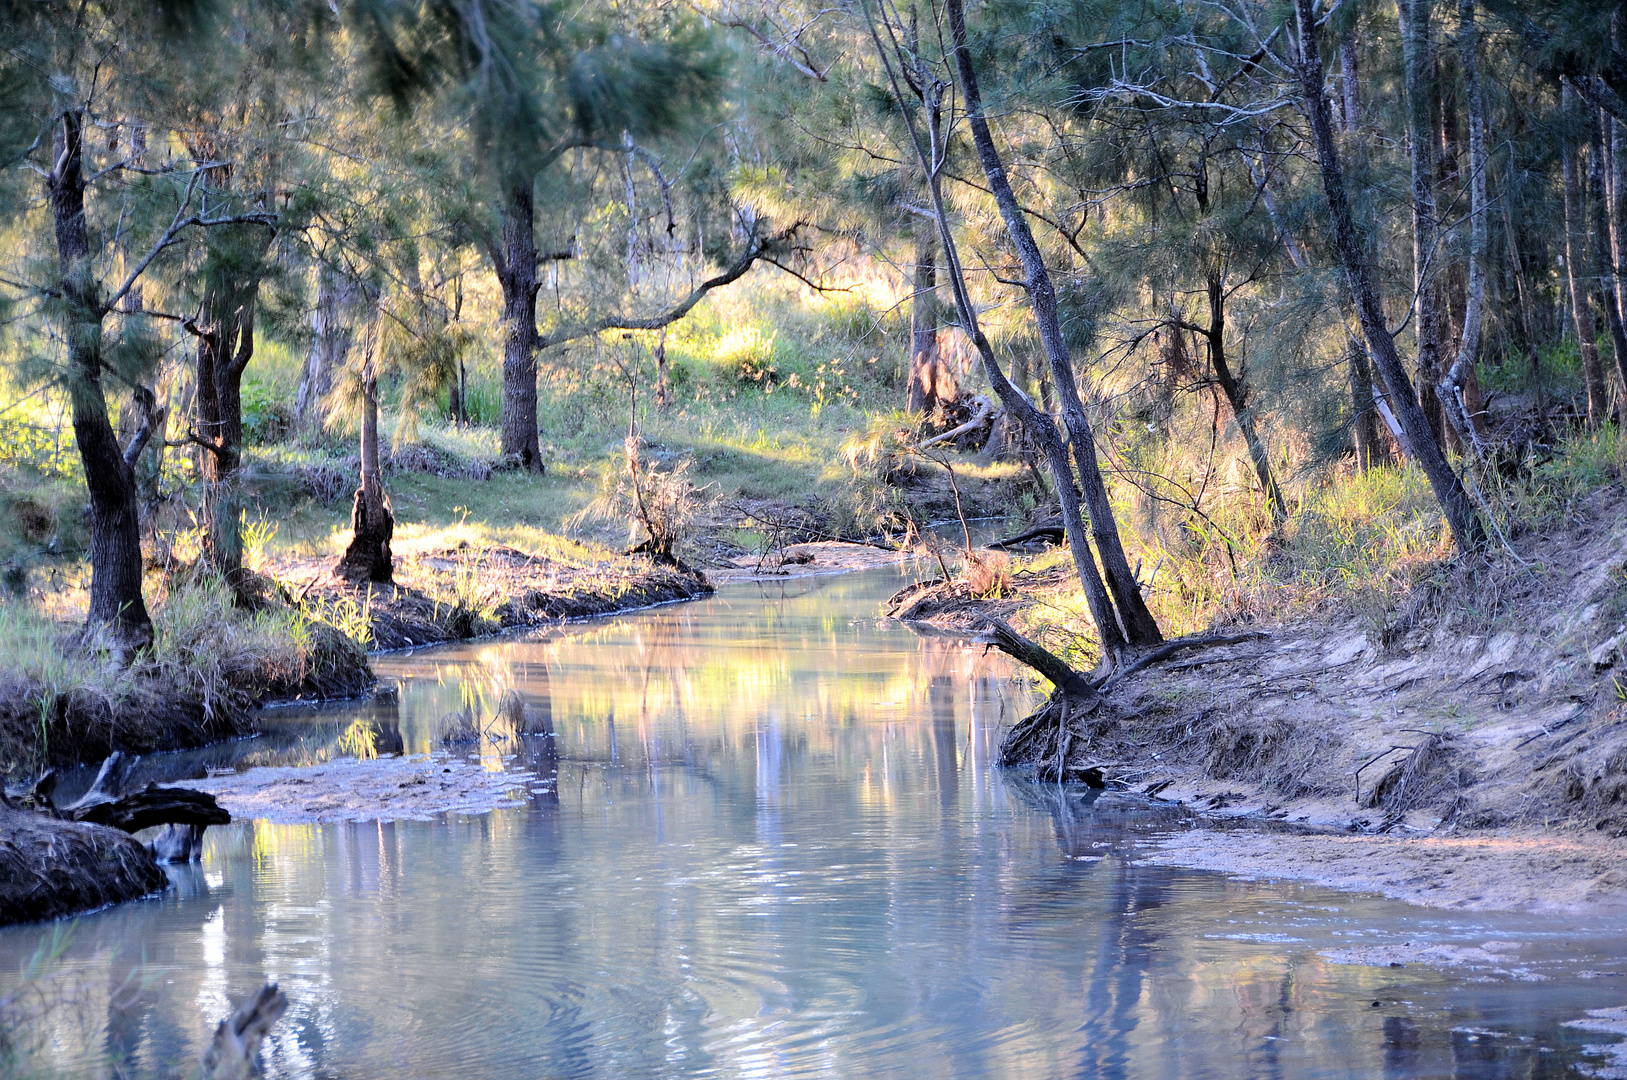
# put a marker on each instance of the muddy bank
(51, 868)
(1504, 871)
(1469, 750)
(451, 594)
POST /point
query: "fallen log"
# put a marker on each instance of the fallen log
(999, 634)
(151, 806)
(1052, 533)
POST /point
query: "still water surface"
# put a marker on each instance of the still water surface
(773, 846)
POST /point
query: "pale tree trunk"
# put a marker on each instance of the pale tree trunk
(1575, 277)
(1417, 47)
(1237, 397)
(1605, 239)
(1140, 628)
(516, 266)
(1349, 82)
(1459, 390)
(372, 521)
(331, 338)
(1460, 513)
(115, 520)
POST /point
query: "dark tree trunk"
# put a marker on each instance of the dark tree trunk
(225, 347)
(517, 274)
(1140, 628)
(930, 384)
(1575, 259)
(661, 369)
(115, 521)
(1364, 429)
(372, 521)
(1460, 513)
(1237, 397)
(1417, 46)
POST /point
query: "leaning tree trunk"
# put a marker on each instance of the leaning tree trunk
(1140, 628)
(372, 522)
(517, 274)
(115, 521)
(1237, 397)
(1040, 426)
(1418, 63)
(927, 375)
(1460, 513)
(1581, 303)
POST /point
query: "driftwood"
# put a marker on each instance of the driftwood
(154, 805)
(231, 1056)
(984, 413)
(1051, 532)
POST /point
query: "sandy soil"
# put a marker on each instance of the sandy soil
(388, 788)
(1518, 872)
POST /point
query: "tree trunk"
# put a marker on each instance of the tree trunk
(1575, 279)
(225, 347)
(1459, 388)
(517, 274)
(1140, 628)
(372, 522)
(1039, 425)
(1418, 61)
(1601, 177)
(930, 385)
(115, 520)
(1237, 397)
(1349, 82)
(1460, 513)
(1364, 429)
(331, 338)
(661, 369)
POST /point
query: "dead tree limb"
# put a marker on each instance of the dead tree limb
(155, 806)
(231, 1056)
(999, 634)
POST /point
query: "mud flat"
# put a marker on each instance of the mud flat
(414, 788)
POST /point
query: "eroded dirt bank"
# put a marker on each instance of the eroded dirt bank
(1469, 752)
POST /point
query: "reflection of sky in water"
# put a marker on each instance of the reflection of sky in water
(776, 848)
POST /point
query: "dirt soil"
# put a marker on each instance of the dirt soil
(387, 788)
(463, 592)
(1470, 753)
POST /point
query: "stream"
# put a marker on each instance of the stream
(768, 842)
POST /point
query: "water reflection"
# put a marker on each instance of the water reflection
(773, 847)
